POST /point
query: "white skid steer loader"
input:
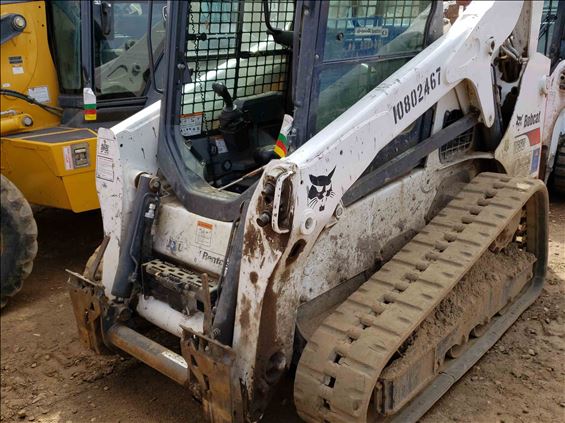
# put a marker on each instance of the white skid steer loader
(348, 189)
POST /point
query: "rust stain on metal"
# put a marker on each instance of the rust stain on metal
(205, 294)
(211, 377)
(252, 240)
(244, 317)
(268, 343)
(88, 310)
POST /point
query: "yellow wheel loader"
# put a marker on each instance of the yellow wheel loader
(68, 67)
(345, 192)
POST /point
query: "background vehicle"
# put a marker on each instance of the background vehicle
(67, 68)
(552, 45)
(402, 234)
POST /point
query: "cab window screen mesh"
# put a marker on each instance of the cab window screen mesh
(359, 28)
(227, 42)
(365, 42)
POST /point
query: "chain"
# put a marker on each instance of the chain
(197, 66)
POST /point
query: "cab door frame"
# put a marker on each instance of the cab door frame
(108, 110)
(311, 21)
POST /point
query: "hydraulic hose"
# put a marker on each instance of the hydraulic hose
(131, 247)
(51, 109)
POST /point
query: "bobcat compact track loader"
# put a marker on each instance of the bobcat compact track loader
(400, 233)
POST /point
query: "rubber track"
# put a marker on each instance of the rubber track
(341, 363)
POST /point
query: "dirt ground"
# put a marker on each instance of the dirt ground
(47, 376)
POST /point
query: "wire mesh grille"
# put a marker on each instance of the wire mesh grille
(456, 147)
(228, 43)
(460, 144)
(364, 27)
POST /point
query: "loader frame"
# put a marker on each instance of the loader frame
(270, 269)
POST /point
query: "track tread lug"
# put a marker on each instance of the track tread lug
(404, 291)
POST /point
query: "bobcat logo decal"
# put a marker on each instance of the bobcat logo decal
(320, 190)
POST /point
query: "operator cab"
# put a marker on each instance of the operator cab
(103, 45)
(245, 65)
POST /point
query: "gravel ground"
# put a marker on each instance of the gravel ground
(47, 376)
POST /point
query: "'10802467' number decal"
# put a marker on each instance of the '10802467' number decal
(416, 96)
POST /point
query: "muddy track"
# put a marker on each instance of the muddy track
(47, 376)
(340, 365)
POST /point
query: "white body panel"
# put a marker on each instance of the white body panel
(367, 226)
(520, 149)
(197, 241)
(123, 152)
(554, 122)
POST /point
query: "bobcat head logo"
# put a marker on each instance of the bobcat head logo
(320, 190)
(519, 120)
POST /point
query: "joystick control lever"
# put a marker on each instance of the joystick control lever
(233, 126)
(221, 90)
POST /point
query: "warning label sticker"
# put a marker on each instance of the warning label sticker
(68, 157)
(204, 233)
(40, 94)
(220, 144)
(105, 168)
(520, 144)
(534, 166)
(191, 124)
(371, 30)
(103, 147)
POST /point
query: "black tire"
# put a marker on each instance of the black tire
(18, 242)
(559, 167)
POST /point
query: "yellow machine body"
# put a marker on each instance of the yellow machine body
(27, 67)
(52, 165)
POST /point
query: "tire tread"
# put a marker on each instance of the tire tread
(14, 205)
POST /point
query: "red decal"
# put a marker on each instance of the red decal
(534, 137)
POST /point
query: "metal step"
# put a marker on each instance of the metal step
(180, 287)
